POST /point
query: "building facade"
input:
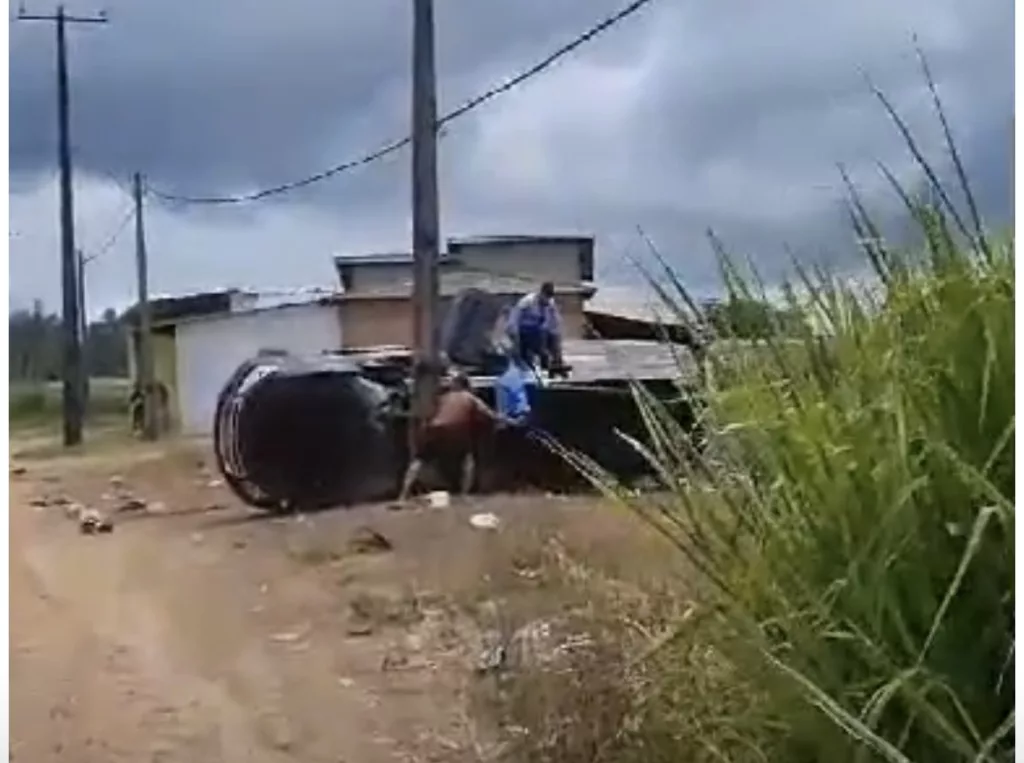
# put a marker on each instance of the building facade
(196, 349)
(377, 308)
(200, 339)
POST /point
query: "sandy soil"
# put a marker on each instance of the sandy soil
(199, 631)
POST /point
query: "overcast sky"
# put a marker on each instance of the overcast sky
(689, 114)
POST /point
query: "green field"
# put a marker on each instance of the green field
(33, 404)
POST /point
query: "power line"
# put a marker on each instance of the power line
(396, 145)
(112, 238)
(124, 184)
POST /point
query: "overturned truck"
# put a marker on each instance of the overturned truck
(315, 432)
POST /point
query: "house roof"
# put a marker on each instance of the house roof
(171, 310)
(499, 240)
(384, 258)
(456, 280)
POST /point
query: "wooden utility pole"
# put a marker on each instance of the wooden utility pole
(73, 407)
(83, 328)
(144, 338)
(425, 214)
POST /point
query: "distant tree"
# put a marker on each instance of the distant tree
(107, 353)
(36, 345)
(751, 319)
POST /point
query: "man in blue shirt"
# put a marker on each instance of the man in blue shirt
(512, 402)
(535, 328)
(511, 391)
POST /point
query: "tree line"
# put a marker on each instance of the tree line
(36, 345)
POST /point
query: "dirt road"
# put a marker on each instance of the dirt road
(198, 631)
(193, 634)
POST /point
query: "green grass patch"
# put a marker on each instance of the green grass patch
(38, 404)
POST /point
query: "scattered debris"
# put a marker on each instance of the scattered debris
(528, 573)
(493, 657)
(485, 521)
(197, 538)
(366, 540)
(18, 471)
(531, 645)
(91, 522)
(345, 682)
(116, 481)
(215, 483)
(393, 661)
(131, 504)
(439, 499)
(48, 501)
(291, 637)
(239, 544)
(359, 627)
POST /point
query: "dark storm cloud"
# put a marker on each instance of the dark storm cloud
(690, 115)
(236, 93)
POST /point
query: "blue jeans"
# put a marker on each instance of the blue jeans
(533, 345)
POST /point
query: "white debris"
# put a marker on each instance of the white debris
(485, 521)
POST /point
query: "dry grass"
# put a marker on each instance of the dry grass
(567, 646)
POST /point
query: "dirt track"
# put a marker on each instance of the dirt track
(199, 631)
(193, 634)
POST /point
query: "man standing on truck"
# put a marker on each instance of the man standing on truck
(535, 328)
(450, 441)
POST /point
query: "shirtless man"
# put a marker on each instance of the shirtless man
(450, 440)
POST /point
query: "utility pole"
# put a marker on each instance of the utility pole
(83, 327)
(425, 214)
(144, 339)
(73, 407)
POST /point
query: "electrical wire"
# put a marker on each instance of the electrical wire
(396, 145)
(112, 238)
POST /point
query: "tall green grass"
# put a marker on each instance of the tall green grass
(854, 518)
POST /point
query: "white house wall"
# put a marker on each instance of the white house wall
(208, 351)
